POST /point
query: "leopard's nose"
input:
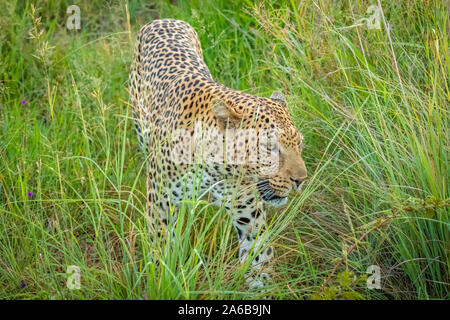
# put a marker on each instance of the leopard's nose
(297, 182)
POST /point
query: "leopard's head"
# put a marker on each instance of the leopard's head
(266, 143)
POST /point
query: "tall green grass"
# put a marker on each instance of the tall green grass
(371, 103)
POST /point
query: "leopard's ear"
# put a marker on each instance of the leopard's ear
(278, 97)
(226, 116)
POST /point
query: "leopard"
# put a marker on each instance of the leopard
(246, 147)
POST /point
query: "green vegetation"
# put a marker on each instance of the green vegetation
(373, 105)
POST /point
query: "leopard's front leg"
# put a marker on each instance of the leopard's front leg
(161, 208)
(249, 223)
(248, 216)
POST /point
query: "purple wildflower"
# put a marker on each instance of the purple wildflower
(30, 194)
(23, 101)
(22, 284)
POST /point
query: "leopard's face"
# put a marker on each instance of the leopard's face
(270, 145)
(290, 171)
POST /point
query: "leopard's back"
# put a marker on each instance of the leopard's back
(168, 59)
